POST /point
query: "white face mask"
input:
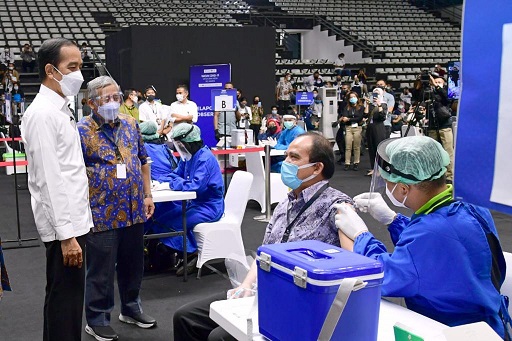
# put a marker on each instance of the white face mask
(393, 199)
(109, 111)
(274, 112)
(70, 84)
(180, 97)
(135, 99)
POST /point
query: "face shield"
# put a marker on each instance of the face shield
(182, 150)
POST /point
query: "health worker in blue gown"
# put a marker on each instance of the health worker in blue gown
(197, 171)
(447, 262)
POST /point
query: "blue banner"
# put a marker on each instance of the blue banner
(303, 98)
(482, 155)
(204, 78)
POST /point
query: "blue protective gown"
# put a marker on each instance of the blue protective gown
(286, 137)
(200, 174)
(441, 264)
(161, 156)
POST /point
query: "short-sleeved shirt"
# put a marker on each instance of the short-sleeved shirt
(183, 109)
(317, 222)
(283, 86)
(115, 202)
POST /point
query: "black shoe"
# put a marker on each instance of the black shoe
(356, 167)
(191, 268)
(101, 333)
(347, 167)
(141, 320)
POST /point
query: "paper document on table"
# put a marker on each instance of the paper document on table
(503, 162)
(479, 331)
(159, 186)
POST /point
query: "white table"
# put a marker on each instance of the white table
(232, 316)
(170, 195)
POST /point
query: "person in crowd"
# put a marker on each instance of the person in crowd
(313, 81)
(343, 91)
(6, 56)
(417, 91)
(446, 244)
(357, 86)
(163, 161)
(361, 75)
(151, 109)
(128, 107)
(121, 202)
(245, 114)
(406, 96)
(256, 119)
(86, 109)
(390, 102)
(16, 90)
(58, 186)
(28, 58)
(339, 66)
(11, 77)
(352, 119)
(5, 285)
(439, 71)
(376, 112)
(440, 121)
(183, 109)
(309, 166)
(85, 52)
(224, 122)
(198, 171)
(398, 116)
(290, 132)
(284, 90)
(272, 131)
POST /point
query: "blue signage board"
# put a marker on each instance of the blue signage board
(484, 123)
(204, 78)
(303, 98)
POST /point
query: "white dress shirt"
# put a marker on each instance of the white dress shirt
(182, 109)
(57, 179)
(151, 112)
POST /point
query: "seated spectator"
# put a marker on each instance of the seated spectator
(198, 171)
(273, 130)
(85, 52)
(6, 57)
(163, 162)
(357, 86)
(129, 106)
(310, 165)
(86, 109)
(398, 116)
(439, 71)
(28, 57)
(339, 66)
(273, 115)
(406, 96)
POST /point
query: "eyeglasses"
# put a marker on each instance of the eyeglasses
(107, 98)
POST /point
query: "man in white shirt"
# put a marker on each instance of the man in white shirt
(58, 186)
(183, 110)
(151, 110)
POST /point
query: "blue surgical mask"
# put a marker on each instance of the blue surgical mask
(353, 100)
(289, 174)
(288, 124)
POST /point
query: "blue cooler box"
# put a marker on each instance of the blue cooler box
(297, 283)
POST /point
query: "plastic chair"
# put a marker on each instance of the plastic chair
(223, 238)
(278, 191)
(506, 287)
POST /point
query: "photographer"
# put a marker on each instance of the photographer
(439, 120)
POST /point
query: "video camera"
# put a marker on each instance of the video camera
(425, 77)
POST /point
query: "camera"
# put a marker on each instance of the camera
(425, 77)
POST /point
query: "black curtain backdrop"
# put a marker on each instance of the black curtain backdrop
(161, 55)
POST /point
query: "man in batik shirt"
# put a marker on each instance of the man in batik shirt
(120, 197)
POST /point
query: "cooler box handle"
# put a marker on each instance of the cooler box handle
(338, 305)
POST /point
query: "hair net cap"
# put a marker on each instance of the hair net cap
(148, 130)
(184, 128)
(419, 156)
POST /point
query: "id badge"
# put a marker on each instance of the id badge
(354, 125)
(121, 171)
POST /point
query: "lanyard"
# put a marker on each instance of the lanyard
(114, 140)
(288, 230)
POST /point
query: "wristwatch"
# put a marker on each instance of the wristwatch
(148, 195)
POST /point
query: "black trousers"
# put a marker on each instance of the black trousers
(192, 322)
(375, 134)
(283, 106)
(64, 300)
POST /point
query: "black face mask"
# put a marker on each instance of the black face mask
(193, 147)
(272, 130)
(150, 98)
